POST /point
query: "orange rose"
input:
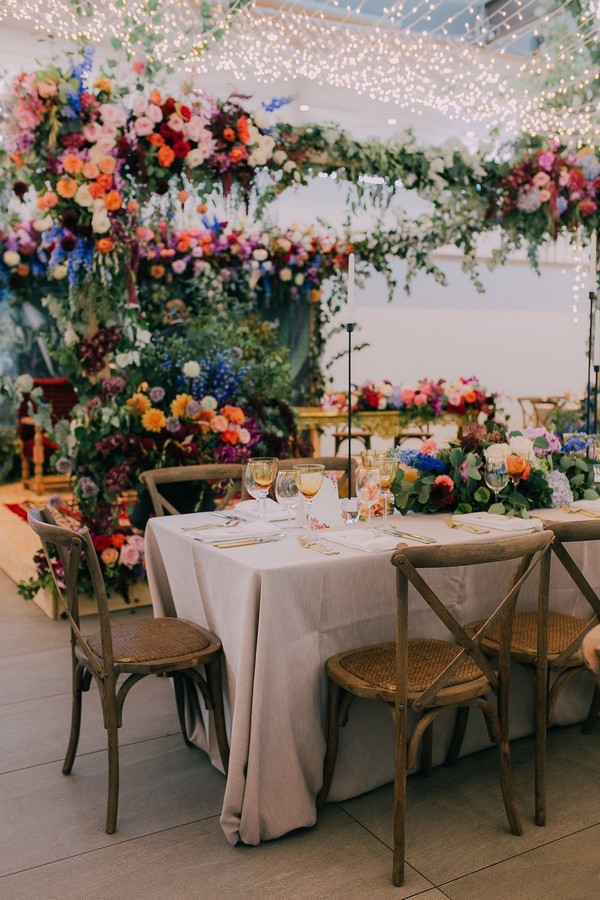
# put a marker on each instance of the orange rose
(236, 154)
(157, 271)
(183, 244)
(138, 404)
(105, 181)
(17, 158)
(105, 245)
(154, 420)
(90, 170)
(230, 437)
(66, 188)
(155, 98)
(96, 190)
(234, 414)
(517, 467)
(23, 269)
(72, 164)
(178, 405)
(165, 156)
(471, 397)
(229, 134)
(206, 415)
(113, 201)
(157, 140)
(107, 164)
(117, 540)
(243, 130)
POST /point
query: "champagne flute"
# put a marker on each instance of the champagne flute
(496, 476)
(309, 479)
(368, 487)
(286, 491)
(388, 469)
(264, 470)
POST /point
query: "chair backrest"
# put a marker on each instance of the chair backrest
(527, 550)
(75, 548)
(566, 533)
(229, 475)
(58, 393)
(537, 409)
(331, 463)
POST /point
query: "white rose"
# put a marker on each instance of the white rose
(243, 435)
(260, 254)
(261, 119)
(196, 157)
(59, 272)
(279, 157)
(299, 279)
(258, 157)
(285, 274)
(521, 446)
(191, 369)
(289, 166)
(100, 222)
(41, 225)
(208, 403)
(11, 258)
(83, 196)
(24, 384)
(497, 451)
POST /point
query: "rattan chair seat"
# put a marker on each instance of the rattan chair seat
(562, 631)
(427, 659)
(148, 639)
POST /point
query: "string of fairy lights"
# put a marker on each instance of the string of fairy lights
(415, 54)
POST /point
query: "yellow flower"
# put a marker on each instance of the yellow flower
(103, 84)
(138, 404)
(154, 420)
(179, 404)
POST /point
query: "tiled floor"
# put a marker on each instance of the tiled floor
(169, 845)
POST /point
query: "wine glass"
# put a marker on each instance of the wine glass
(388, 469)
(368, 487)
(286, 491)
(251, 486)
(517, 468)
(264, 470)
(309, 479)
(496, 475)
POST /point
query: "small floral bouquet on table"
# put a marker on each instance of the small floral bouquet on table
(453, 478)
(466, 397)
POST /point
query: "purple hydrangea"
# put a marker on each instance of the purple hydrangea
(561, 489)
(87, 487)
(589, 165)
(156, 394)
(561, 205)
(173, 424)
(554, 444)
(64, 466)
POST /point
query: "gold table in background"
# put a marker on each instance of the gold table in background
(387, 423)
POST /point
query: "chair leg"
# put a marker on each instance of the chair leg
(427, 750)
(401, 721)
(78, 687)
(179, 686)
(498, 724)
(335, 700)
(458, 735)
(112, 731)
(541, 728)
(592, 715)
(216, 688)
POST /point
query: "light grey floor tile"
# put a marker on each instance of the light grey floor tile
(335, 860)
(47, 816)
(456, 822)
(567, 869)
(28, 634)
(37, 731)
(34, 675)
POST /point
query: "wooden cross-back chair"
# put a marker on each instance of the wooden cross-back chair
(430, 676)
(229, 476)
(549, 642)
(537, 409)
(332, 464)
(164, 646)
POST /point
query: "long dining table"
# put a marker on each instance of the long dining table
(281, 610)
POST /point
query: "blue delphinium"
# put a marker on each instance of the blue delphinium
(220, 377)
(575, 445)
(423, 461)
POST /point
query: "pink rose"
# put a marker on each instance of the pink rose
(143, 126)
(408, 396)
(195, 128)
(47, 89)
(546, 161)
(420, 399)
(109, 556)
(544, 196)
(138, 66)
(140, 105)
(541, 179)
(113, 115)
(563, 178)
(154, 112)
(219, 423)
(179, 266)
(129, 556)
(92, 132)
(175, 123)
(137, 541)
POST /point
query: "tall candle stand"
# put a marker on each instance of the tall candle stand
(350, 329)
(591, 344)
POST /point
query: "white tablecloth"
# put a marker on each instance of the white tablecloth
(280, 611)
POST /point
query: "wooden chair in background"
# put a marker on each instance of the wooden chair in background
(537, 409)
(228, 476)
(431, 676)
(165, 646)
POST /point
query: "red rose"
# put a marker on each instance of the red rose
(168, 133)
(576, 180)
(101, 542)
(185, 113)
(181, 149)
(587, 208)
(168, 107)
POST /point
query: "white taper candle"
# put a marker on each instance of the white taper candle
(593, 272)
(351, 308)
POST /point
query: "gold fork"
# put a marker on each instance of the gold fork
(474, 529)
(318, 546)
(574, 512)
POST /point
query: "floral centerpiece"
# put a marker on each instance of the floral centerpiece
(543, 474)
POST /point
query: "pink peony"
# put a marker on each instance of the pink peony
(143, 126)
(179, 266)
(195, 128)
(140, 105)
(113, 115)
(154, 112)
(420, 399)
(129, 556)
(91, 132)
(541, 179)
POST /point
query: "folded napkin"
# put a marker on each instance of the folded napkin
(239, 532)
(248, 509)
(364, 539)
(592, 505)
(500, 523)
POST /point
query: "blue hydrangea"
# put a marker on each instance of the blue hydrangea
(590, 166)
(575, 445)
(561, 205)
(422, 461)
(561, 489)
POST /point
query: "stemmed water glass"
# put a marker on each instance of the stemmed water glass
(368, 487)
(309, 479)
(496, 476)
(388, 469)
(286, 492)
(263, 470)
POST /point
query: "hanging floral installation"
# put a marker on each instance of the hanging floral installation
(181, 333)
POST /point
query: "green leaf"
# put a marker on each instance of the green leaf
(497, 509)
(116, 43)
(457, 457)
(582, 464)
(481, 495)
(542, 443)
(590, 494)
